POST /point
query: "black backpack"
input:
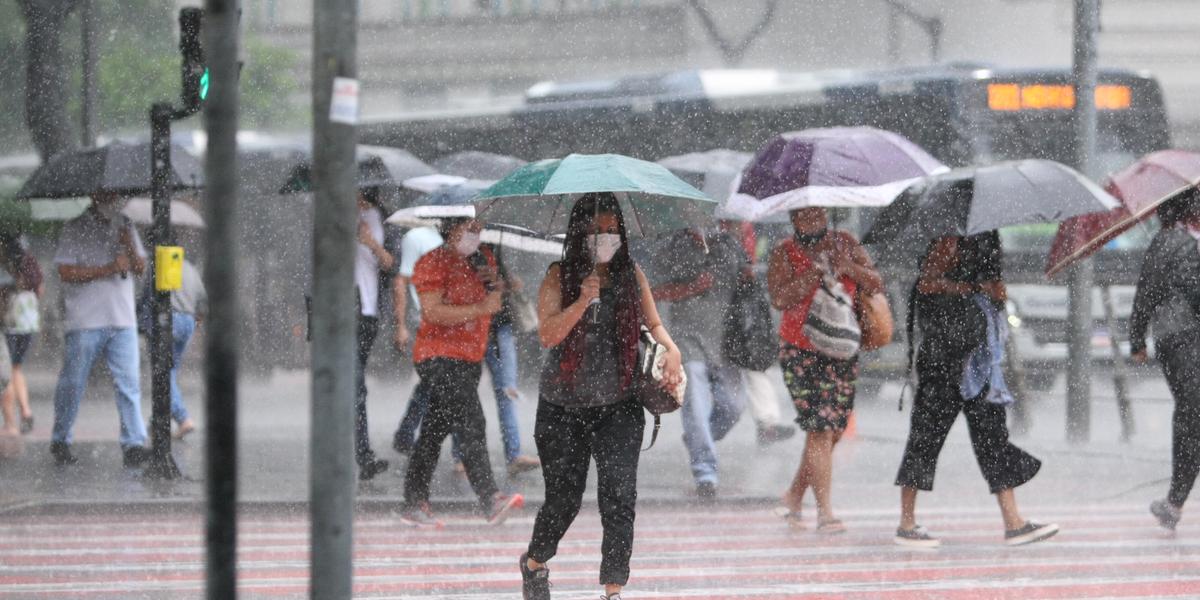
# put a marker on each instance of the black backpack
(751, 341)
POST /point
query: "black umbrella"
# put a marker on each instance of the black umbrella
(974, 200)
(473, 164)
(116, 168)
(378, 166)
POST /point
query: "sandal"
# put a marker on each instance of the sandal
(830, 526)
(791, 517)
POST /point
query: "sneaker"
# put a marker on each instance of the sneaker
(420, 517)
(1029, 533)
(535, 585)
(135, 456)
(917, 537)
(522, 464)
(61, 452)
(26, 424)
(1168, 515)
(616, 596)
(502, 507)
(769, 434)
(368, 470)
(706, 491)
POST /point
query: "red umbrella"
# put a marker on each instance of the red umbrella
(1141, 187)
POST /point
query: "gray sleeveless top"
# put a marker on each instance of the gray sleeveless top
(598, 376)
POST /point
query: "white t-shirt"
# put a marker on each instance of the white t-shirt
(90, 241)
(416, 243)
(366, 265)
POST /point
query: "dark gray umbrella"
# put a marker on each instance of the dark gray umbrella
(974, 200)
(378, 166)
(473, 164)
(116, 168)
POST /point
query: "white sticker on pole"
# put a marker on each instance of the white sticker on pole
(344, 106)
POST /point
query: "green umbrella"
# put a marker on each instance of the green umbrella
(539, 196)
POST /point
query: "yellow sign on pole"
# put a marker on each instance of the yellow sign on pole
(168, 268)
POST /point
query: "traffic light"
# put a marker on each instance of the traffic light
(192, 68)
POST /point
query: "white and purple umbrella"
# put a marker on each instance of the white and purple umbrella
(832, 167)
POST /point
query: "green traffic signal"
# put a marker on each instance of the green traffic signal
(204, 84)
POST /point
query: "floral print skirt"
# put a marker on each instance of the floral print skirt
(822, 388)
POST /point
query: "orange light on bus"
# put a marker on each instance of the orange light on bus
(1014, 97)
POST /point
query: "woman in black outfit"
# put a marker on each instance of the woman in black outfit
(1168, 293)
(591, 307)
(953, 271)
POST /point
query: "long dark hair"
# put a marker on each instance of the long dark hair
(577, 264)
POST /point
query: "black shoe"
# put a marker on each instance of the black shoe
(372, 467)
(535, 585)
(135, 456)
(1029, 533)
(1167, 514)
(61, 452)
(769, 434)
(706, 491)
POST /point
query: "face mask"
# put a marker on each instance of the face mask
(110, 210)
(810, 239)
(604, 246)
(468, 243)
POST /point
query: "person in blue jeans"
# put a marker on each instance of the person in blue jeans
(188, 305)
(99, 253)
(703, 269)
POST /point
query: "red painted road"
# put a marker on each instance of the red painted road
(1103, 552)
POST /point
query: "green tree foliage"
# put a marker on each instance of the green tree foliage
(139, 65)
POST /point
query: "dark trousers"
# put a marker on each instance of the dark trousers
(567, 439)
(368, 329)
(452, 388)
(1178, 355)
(935, 409)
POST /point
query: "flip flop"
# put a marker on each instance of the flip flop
(830, 526)
(791, 517)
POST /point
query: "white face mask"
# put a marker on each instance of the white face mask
(468, 243)
(604, 246)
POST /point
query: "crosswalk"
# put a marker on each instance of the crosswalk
(1109, 551)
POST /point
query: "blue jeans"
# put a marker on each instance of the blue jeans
(183, 326)
(81, 348)
(501, 360)
(714, 402)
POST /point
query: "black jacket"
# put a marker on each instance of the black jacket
(1168, 289)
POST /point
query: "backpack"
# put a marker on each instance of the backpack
(750, 340)
(831, 325)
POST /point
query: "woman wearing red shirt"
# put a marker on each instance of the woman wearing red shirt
(459, 291)
(817, 259)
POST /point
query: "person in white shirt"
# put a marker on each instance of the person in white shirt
(371, 259)
(99, 254)
(417, 242)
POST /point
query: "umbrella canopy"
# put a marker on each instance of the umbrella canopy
(451, 201)
(116, 168)
(539, 196)
(714, 172)
(378, 166)
(1141, 187)
(832, 167)
(473, 164)
(519, 238)
(42, 215)
(974, 200)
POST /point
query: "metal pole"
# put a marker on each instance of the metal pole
(1014, 372)
(1079, 325)
(220, 276)
(335, 24)
(87, 108)
(1120, 380)
(162, 463)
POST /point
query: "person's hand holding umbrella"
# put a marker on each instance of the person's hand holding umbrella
(127, 257)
